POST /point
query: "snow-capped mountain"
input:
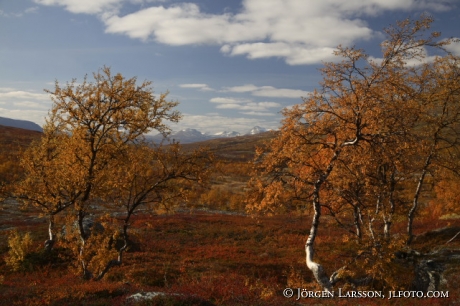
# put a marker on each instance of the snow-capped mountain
(226, 134)
(182, 136)
(193, 135)
(256, 130)
(189, 133)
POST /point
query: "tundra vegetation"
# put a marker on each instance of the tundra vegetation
(364, 173)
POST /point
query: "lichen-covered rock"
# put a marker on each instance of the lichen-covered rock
(143, 296)
(162, 298)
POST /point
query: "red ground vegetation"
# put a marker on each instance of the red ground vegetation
(196, 257)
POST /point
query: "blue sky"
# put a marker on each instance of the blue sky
(231, 64)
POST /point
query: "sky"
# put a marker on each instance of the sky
(231, 64)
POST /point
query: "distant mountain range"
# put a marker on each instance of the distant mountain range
(22, 124)
(193, 135)
(183, 136)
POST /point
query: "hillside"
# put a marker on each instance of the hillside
(226, 190)
(12, 136)
(12, 142)
(22, 124)
(240, 148)
(190, 135)
(233, 168)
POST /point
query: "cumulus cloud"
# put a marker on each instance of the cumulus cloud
(300, 32)
(268, 91)
(294, 54)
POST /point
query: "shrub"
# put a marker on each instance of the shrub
(20, 246)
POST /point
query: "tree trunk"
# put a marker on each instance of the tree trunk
(357, 221)
(317, 269)
(418, 190)
(83, 237)
(119, 260)
(51, 240)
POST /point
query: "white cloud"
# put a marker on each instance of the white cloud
(23, 95)
(37, 116)
(227, 100)
(258, 113)
(229, 106)
(301, 32)
(203, 87)
(416, 61)
(178, 25)
(213, 123)
(85, 6)
(30, 104)
(454, 47)
(295, 54)
(251, 106)
(243, 88)
(293, 33)
(146, 1)
(269, 104)
(269, 91)
(24, 105)
(193, 85)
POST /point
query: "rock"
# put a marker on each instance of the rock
(428, 275)
(144, 296)
(167, 299)
(430, 267)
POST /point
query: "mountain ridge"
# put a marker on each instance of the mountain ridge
(21, 124)
(190, 135)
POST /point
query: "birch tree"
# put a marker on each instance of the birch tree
(87, 130)
(353, 144)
